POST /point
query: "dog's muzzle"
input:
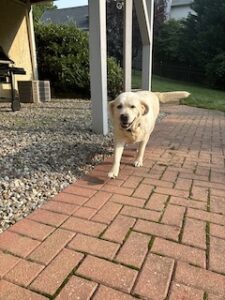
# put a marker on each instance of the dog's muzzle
(124, 122)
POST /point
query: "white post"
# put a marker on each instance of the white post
(146, 68)
(150, 10)
(144, 9)
(98, 65)
(127, 45)
(30, 27)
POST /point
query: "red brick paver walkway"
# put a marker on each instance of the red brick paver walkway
(156, 232)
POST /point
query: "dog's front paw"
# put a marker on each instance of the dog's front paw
(112, 174)
(138, 163)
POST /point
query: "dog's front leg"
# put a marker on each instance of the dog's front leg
(118, 151)
(140, 155)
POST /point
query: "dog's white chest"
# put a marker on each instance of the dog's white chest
(134, 136)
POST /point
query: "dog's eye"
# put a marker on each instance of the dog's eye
(132, 106)
(119, 106)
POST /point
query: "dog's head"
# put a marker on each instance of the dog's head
(127, 108)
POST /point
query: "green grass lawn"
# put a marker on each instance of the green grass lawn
(200, 96)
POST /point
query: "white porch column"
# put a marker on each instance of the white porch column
(150, 10)
(98, 65)
(30, 27)
(127, 45)
(145, 10)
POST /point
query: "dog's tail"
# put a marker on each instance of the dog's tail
(172, 96)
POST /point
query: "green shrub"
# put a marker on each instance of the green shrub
(115, 77)
(215, 71)
(63, 58)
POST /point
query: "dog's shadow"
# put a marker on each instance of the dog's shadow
(94, 180)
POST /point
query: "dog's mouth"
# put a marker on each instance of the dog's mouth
(126, 125)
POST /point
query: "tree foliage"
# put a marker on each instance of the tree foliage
(204, 31)
(167, 42)
(39, 9)
(198, 41)
(160, 14)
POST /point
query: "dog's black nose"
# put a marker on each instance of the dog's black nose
(124, 118)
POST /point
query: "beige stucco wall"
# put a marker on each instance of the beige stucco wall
(14, 39)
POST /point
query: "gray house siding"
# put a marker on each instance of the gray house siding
(179, 9)
(75, 15)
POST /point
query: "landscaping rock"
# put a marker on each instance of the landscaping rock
(44, 148)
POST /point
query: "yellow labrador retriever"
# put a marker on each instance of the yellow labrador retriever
(133, 115)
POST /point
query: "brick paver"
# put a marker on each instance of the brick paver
(50, 279)
(194, 233)
(94, 246)
(107, 213)
(143, 191)
(83, 226)
(157, 229)
(180, 252)
(213, 297)
(32, 229)
(80, 191)
(188, 203)
(51, 246)
(24, 272)
(48, 217)
(77, 288)
(155, 233)
(132, 201)
(85, 213)
(200, 278)
(7, 262)
(119, 228)
(157, 202)
(70, 198)
(98, 200)
(132, 182)
(108, 273)
(59, 207)
(111, 294)
(155, 277)
(216, 255)
(17, 244)
(134, 249)
(140, 213)
(206, 216)
(217, 230)
(180, 291)
(173, 215)
(11, 291)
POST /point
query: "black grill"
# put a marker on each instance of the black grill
(7, 72)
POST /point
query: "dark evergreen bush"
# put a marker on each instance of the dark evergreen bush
(215, 71)
(197, 42)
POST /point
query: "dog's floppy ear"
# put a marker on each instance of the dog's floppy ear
(111, 107)
(144, 108)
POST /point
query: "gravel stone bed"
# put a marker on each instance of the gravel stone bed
(44, 148)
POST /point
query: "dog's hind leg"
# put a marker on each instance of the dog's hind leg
(140, 155)
(118, 151)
